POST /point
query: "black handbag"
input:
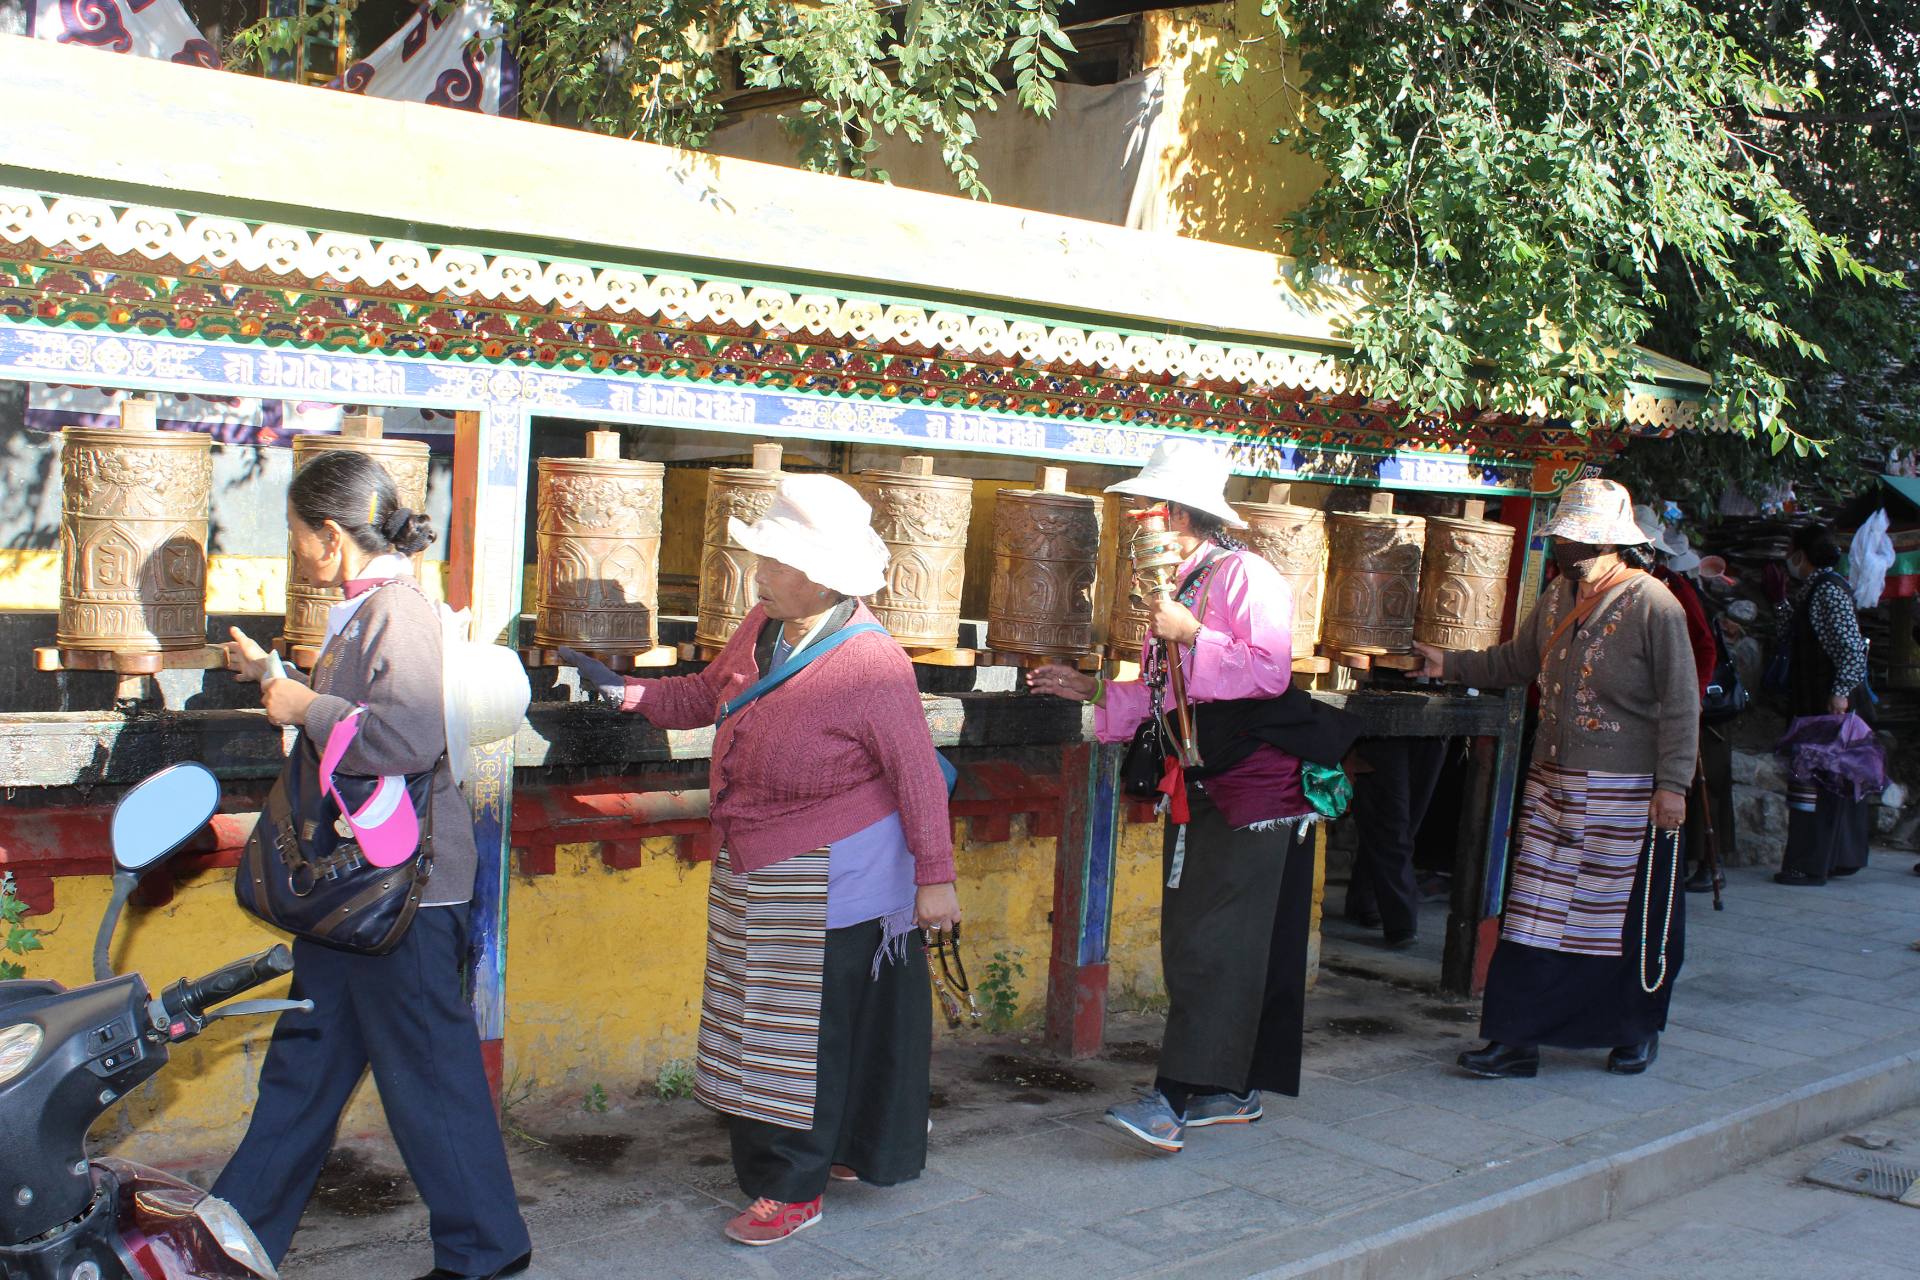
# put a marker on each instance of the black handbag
(1726, 695)
(1145, 762)
(300, 873)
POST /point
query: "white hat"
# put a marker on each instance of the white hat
(1189, 474)
(1670, 543)
(1598, 513)
(823, 528)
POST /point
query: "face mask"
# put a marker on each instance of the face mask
(1575, 559)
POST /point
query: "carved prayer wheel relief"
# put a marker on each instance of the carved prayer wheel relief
(1046, 551)
(133, 535)
(1373, 579)
(1294, 541)
(726, 567)
(1127, 619)
(922, 518)
(599, 549)
(405, 461)
(1463, 580)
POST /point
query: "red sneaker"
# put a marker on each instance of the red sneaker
(843, 1173)
(769, 1221)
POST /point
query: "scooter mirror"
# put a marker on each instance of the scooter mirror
(158, 816)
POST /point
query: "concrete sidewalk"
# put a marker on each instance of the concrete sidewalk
(1798, 1014)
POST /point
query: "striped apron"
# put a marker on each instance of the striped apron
(1581, 838)
(760, 1004)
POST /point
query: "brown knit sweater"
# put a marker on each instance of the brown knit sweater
(1617, 694)
(388, 657)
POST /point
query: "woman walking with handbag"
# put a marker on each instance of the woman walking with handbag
(389, 997)
(830, 811)
(1238, 852)
(1593, 932)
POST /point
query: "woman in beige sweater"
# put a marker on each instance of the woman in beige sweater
(1593, 930)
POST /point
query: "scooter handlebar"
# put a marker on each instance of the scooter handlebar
(191, 1000)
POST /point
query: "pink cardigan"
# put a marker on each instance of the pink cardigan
(832, 751)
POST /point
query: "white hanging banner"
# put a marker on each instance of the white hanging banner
(458, 59)
(150, 28)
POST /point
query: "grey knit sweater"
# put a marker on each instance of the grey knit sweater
(388, 658)
(1618, 694)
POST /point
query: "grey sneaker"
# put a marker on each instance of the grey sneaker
(1151, 1119)
(1223, 1108)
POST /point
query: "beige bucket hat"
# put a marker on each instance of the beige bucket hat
(1598, 513)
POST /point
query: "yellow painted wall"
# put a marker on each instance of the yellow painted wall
(235, 584)
(603, 979)
(1221, 177)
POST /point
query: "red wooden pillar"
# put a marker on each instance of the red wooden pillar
(1083, 872)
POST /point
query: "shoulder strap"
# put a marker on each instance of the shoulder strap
(1582, 609)
(786, 670)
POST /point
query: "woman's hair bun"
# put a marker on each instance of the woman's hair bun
(408, 530)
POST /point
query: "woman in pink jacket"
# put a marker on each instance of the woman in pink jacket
(1238, 856)
(829, 809)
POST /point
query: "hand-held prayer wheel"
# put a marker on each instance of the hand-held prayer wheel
(1046, 551)
(922, 518)
(1373, 578)
(599, 546)
(1156, 563)
(133, 535)
(1463, 580)
(1294, 541)
(405, 462)
(726, 567)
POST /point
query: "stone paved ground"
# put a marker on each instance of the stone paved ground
(1763, 1223)
(1785, 990)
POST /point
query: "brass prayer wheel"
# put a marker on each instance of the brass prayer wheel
(405, 462)
(1463, 580)
(1373, 578)
(1046, 552)
(599, 549)
(922, 518)
(726, 567)
(133, 535)
(1294, 541)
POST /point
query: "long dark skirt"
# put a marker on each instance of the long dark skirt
(1233, 946)
(1833, 837)
(870, 1098)
(1536, 996)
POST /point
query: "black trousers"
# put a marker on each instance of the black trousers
(870, 1080)
(404, 1015)
(1389, 804)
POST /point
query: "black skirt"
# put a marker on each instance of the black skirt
(1536, 996)
(1834, 837)
(1233, 947)
(870, 1082)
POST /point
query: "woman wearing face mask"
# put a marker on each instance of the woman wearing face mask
(403, 1013)
(1827, 834)
(1592, 935)
(830, 811)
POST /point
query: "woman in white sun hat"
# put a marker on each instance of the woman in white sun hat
(1593, 931)
(829, 810)
(1234, 912)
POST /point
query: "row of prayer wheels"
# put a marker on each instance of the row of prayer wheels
(135, 515)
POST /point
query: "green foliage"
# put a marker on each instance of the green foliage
(676, 1080)
(20, 938)
(595, 1103)
(997, 993)
(659, 69)
(1536, 187)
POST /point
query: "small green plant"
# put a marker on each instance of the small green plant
(1000, 1001)
(20, 938)
(595, 1103)
(676, 1080)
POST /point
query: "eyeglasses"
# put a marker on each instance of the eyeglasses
(949, 975)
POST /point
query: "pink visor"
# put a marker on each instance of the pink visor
(386, 827)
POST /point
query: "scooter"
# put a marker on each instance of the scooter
(67, 1056)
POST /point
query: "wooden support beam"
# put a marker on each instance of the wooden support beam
(1083, 874)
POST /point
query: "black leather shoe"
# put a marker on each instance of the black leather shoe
(1497, 1061)
(1632, 1059)
(1797, 878)
(513, 1268)
(1701, 882)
